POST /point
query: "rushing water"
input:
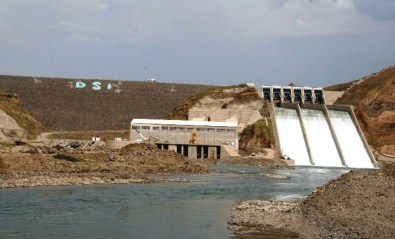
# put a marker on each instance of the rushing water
(354, 151)
(199, 209)
(322, 145)
(291, 135)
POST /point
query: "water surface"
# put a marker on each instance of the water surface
(199, 209)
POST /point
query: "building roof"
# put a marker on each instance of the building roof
(184, 122)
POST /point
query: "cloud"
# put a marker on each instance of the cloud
(378, 9)
(225, 38)
(144, 22)
(239, 21)
(85, 39)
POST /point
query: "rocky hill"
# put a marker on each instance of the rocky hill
(85, 105)
(374, 100)
(16, 122)
(78, 104)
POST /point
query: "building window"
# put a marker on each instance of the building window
(155, 128)
(173, 128)
(210, 130)
(165, 128)
(201, 129)
(181, 128)
(220, 130)
(145, 127)
(135, 127)
(230, 130)
(189, 129)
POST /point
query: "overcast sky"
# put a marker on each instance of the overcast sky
(222, 42)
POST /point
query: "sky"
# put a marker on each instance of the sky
(219, 42)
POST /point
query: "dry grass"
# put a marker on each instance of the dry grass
(374, 101)
(15, 109)
(87, 135)
(339, 87)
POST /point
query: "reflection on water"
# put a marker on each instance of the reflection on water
(163, 210)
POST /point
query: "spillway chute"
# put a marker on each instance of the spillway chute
(315, 136)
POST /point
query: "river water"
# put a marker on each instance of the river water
(197, 209)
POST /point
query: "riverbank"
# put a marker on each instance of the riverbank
(44, 166)
(76, 162)
(358, 204)
(256, 161)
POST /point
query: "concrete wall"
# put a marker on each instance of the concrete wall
(183, 135)
(196, 151)
(233, 115)
(332, 96)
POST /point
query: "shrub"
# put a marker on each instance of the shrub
(66, 157)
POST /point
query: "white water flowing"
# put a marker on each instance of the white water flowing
(322, 145)
(354, 151)
(291, 135)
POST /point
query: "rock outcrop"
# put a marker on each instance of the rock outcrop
(10, 131)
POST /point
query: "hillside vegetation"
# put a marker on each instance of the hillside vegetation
(257, 135)
(374, 100)
(61, 106)
(12, 106)
(340, 87)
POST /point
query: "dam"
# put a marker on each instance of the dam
(314, 134)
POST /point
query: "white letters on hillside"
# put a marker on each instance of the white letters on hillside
(96, 85)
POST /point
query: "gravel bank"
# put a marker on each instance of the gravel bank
(358, 204)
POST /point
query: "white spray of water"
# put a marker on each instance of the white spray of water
(354, 151)
(291, 136)
(322, 145)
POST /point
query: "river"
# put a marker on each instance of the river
(197, 209)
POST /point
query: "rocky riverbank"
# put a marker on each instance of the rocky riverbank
(29, 166)
(256, 161)
(359, 204)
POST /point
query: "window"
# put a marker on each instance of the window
(165, 128)
(210, 130)
(181, 128)
(189, 129)
(173, 128)
(155, 128)
(145, 127)
(135, 127)
(230, 130)
(201, 129)
(220, 130)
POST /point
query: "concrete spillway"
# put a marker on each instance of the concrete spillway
(322, 145)
(351, 143)
(291, 135)
(320, 137)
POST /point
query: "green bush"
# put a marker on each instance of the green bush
(66, 157)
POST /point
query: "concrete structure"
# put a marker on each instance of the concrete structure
(330, 135)
(242, 116)
(332, 96)
(194, 139)
(293, 94)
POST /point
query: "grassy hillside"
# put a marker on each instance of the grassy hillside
(339, 87)
(374, 102)
(61, 106)
(11, 105)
